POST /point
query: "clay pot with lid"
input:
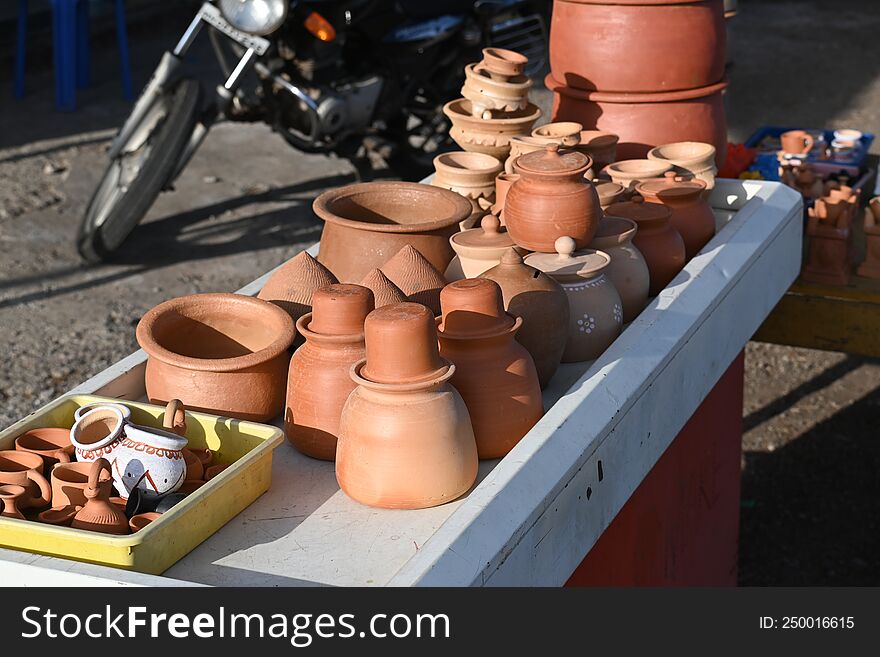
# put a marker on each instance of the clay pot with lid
(405, 436)
(629, 173)
(365, 224)
(551, 199)
(595, 309)
(52, 444)
(384, 291)
(691, 215)
(99, 514)
(490, 136)
(26, 470)
(689, 157)
(656, 239)
(542, 305)
(292, 285)
(627, 269)
(319, 380)
(410, 271)
(478, 249)
(493, 372)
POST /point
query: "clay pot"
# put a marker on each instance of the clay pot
(503, 183)
(478, 249)
(493, 372)
(194, 467)
(99, 514)
(520, 146)
(502, 63)
(206, 456)
(190, 486)
(97, 432)
(656, 239)
(828, 248)
(689, 157)
(870, 268)
(608, 192)
(489, 136)
(410, 271)
(59, 516)
(596, 312)
(26, 470)
(384, 291)
(51, 444)
(149, 459)
(796, 142)
(224, 354)
(141, 520)
(627, 269)
(600, 146)
(69, 482)
(637, 45)
(405, 437)
(629, 173)
(292, 285)
(691, 215)
(11, 498)
(551, 199)
(541, 303)
(367, 223)
(564, 133)
(215, 470)
(494, 95)
(470, 174)
(122, 408)
(319, 379)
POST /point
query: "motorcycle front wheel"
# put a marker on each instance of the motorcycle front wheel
(135, 178)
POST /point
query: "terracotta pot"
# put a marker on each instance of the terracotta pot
(503, 63)
(292, 285)
(637, 46)
(478, 249)
(870, 268)
(319, 379)
(98, 514)
(410, 271)
(194, 467)
(541, 303)
(149, 459)
(627, 269)
(492, 96)
(367, 223)
(406, 439)
(596, 312)
(490, 136)
(26, 470)
(503, 183)
(656, 239)
(59, 516)
(796, 142)
(141, 520)
(206, 456)
(51, 444)
(828, 249)
(224, 354)
(689, 157)
(520, 146)
(97, 432)
(691, 215)
(609, 192)
(470, 174)
(69, 482)
(565, 133)
(384, 291)
(551, 199)
(629, 173)
(11, 498)
(600, 146)
(495, 374)
(645, 120)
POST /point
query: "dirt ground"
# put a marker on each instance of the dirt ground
(810, 509)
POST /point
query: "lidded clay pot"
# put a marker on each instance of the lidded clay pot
(51, 443)
(384, 291)
(596, 312)
(478, 249)
(493, 372)
(689, 157)
(609, 192)
(627, 269)
(319, 379)
(629, 173)
(691, 214)
(656, 239)
(470, 174)
(405, 436)
(99, 514)
(541, 303)
(410, 271)
(292, 284)
(551, 199)
(26, 470)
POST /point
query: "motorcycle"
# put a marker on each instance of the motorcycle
(359, 78)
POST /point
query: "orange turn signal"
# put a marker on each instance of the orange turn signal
(320, 27)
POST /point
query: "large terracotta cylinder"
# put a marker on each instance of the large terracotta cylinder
(637, 45)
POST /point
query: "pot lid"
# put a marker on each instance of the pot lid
(473, 308)
(567, 264)
(488, 236)
(638, 210)
(672, 186)
(550, 161)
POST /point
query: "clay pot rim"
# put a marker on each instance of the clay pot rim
(302, 327)
(14, 454)
(492, 163)
(492, 333)
(162, 439)
(85, 408)
(515, 83)
(636, 167)
(435, 378)
(265, 310)
(664, 189)
(461, 209)
(454, 112)
(614, 238)
(19, 490)
(575, 130)
(633, 97)
(505, 55)
(80, 467)
(708, 156)
(552, 150)
(60, 432)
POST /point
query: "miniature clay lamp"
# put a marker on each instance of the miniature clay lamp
(410, 271)
(11, 497)
(99, 514)
(478, 249)
(405, 436)
(627, 269)
(384, 291)
(691, 215)
(51, 443)
(25, 469)
(629, 173)
(596, 312)
(493, 372)
(870, 268)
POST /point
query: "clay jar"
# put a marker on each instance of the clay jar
(291, 286)
(691, 215)
(656, 239)
(689, 157)
(50, 443)
(405, 436)
(99, 514)
(411, 272)
(384, 291)
(493, 372)
(551, 199)
(470, 174)
(224, 354)
(319, 380)
(478, 249)
(490, 136)
(97, 432)
(149, 459)
(541, 303)
(26, 470)
(627, 269)
(629, 173)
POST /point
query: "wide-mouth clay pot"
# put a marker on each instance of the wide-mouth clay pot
(490, 136)
(224, 354)
(97, 433)
(470, 174)
(51, 443)
(691, 215)
(69, 481)
(564, 133)
(478, 249)
(689, 157)
(629, 173)
(490, 95)
(366, 224)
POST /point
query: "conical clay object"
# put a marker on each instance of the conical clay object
(292, 286)
(410, 271)
(384, 291)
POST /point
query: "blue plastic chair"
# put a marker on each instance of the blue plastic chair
(70, 47)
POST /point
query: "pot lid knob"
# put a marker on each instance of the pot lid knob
(551, 151)
(565, 247)
(490, 224)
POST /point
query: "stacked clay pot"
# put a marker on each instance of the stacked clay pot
(691, 215)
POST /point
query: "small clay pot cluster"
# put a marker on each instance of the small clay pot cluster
(829, 236)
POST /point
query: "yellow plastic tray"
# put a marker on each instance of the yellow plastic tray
(247, 446)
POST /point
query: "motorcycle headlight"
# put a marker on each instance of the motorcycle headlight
(254, 16)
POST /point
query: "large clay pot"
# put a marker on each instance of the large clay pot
(410, 271)
(292, 284)
(384, 291)
(689, 157)
(490, 136)
(637, 45)
(224, 354)
(52, 444)
(26, 470)
(691, 215)
(541, 303)
(319, 379)
(405, 436)
(99, 514)
(627, 269)
(477, 249)
(656, 239)
(629, 173)
(551, 199)
(367, 223)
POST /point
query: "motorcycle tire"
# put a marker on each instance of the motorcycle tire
(104, 229)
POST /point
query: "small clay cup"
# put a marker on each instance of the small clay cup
(25, 469)
(502, 63)
(69, 482)
(141, 520)
(51, 444)
(12, 498)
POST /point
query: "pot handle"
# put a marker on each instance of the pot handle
(175, 417)
(95, 472)
(61, 455)
(45, 498)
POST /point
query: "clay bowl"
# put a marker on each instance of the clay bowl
(490, 136)
(469, 174)
(224, 354)
(504, 62)
(366, 224)
(141, 520)
(628, 173)
(565, 133)
(488, 93)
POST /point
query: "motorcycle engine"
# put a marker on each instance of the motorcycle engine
(348, 107)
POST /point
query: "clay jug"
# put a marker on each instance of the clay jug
(493, 372)
(405, 436)
(50, 443)
(99, 514)
(384, 291)
(319, 380)
(541, 303)
(691, 215)
(478, 249)
(11, 497)
(627, 269)
(416, 277)
(596, 312)
(292, 285)
(551, 200)
(26, 470)
(657, 239)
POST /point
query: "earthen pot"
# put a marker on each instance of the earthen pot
(367, 223)
(565, 133)
(595, 309)
(99, 514)
(11, 498)
(629, 173)
(600, 146)
(627, 269)
(541, 303)
(691, 215)
(689, 157)
(656, 239)
(870, 268)
(490, 136)
(194, 467)
(206, 456)
(410, 271)
(503, 183)
(495, 374)
(26, 470)
(470, 174)
(69, 482)
(551, 199)
(50, 443)
(478, 249)
(141, 520)
(384, 291)
(97, 433)
(828, 248)
(292, 285)
(490, 95)
(319, 379)
(609, 192)
(150, 460)
(224, 354)
(122, 408)
(405, 436)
